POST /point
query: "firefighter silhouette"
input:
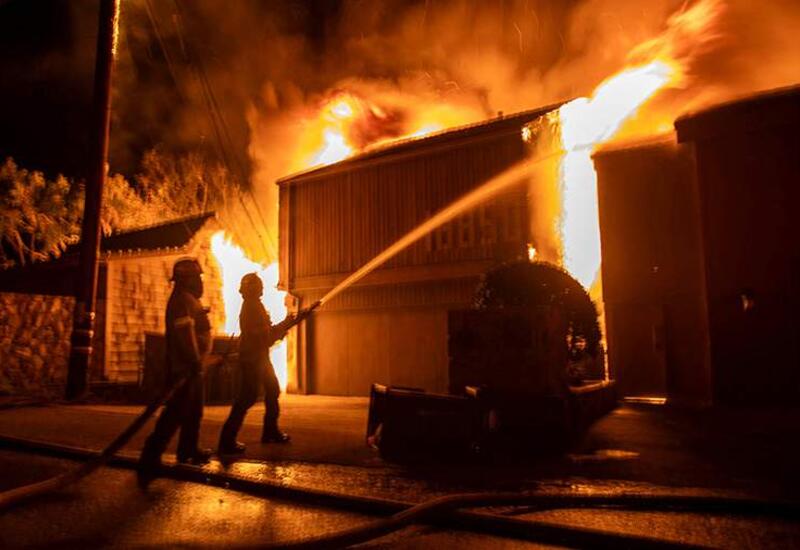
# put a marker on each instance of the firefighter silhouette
(254, 368)
(188, 342)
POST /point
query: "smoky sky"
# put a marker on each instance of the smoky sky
(47, 50)
(174, 54)
(196, 74)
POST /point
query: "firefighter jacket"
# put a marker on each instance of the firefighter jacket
(188, 334)
(258, 332)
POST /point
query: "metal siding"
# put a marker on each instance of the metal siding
(394, 330)
(345, 219)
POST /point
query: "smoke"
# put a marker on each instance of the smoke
(515, 55)
(272, 66)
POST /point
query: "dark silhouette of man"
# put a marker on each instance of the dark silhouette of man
(254, 369)
(188, 342)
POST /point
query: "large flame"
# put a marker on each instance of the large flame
(335, 118)
(234, 264)
(349, 122)
(585, 123)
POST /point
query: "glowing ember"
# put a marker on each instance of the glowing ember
(234, 265)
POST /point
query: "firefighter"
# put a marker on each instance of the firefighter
(255, 370)
(188, 342)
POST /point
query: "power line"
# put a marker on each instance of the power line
(222, 134)
(222, 138)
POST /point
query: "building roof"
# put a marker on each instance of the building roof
(58, 276)
(173, 234)
(752, 113)
(500, 125)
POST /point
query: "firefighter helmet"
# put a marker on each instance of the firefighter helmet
(185, 268)
(251, 284)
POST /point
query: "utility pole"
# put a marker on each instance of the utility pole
(86, 291)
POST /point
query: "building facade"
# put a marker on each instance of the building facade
(391, 326)
(36, 304)
(701, 266)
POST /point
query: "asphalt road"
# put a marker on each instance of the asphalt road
(646, 450)
(108, 509)
(751, 452)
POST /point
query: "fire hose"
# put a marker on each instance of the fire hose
(19, 495)
(22, 494)
(445, 512)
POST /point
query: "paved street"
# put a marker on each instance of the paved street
(641, 449)
(753, 452)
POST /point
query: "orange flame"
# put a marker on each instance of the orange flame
(349, 123)
(585, 123)
(234, 264)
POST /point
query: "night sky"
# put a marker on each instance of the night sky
(47, 61)
(297, 50)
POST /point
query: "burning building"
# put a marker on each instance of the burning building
(700, 260)
(36, 306)
(677, 253)
(392, 325)
(36, 301)
(699, 265)
(133, 288)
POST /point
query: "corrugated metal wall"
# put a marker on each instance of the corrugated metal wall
(343, 220)
(653, 272)
(392, 327)
(748, 184)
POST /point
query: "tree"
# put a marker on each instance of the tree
(182, 185)
(39, 217)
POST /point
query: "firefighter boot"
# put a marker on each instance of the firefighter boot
(197, 458)
(275, 436)
(231, 449)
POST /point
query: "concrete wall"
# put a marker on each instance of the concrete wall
(34, 341)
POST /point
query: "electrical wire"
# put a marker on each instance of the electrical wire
(223, 136)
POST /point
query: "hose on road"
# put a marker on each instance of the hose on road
(446, 512)
(22, 494)
(442, 507)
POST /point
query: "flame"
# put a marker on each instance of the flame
(531, 253)
(335, 117)
(349, 123)
(234, 264)
(585, 123)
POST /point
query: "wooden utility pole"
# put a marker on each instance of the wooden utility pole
(86, 291)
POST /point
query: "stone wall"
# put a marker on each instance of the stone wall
(34, 341)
